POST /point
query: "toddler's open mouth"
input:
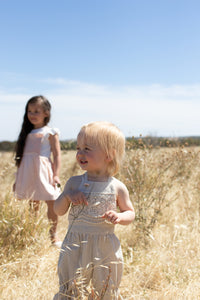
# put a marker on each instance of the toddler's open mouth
(83, 162)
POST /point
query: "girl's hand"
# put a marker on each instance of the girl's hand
(78, 198)
(56, 181)
(112, 216)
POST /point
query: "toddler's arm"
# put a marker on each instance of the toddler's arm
(127, 213)
(71, 194)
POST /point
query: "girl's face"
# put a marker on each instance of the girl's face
(92, 159)
(36, 115)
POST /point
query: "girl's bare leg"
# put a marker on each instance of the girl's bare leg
(53, 218)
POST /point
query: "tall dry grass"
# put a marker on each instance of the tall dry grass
(161, 248)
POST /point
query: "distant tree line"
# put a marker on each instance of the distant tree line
(10, 146)
(131, 143)
(7, 146)
(155, 142)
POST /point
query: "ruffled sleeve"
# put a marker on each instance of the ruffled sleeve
(45, 146)
(54, 131)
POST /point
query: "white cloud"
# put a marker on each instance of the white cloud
(153, 109)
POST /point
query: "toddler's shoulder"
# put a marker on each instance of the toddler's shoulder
(119, 185)
(74, 182)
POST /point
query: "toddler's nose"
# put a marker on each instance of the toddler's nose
(80, 152)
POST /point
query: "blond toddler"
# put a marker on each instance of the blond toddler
(97, 201)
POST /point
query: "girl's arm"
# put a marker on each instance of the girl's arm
(127, 213)
(70, 194)
(55, 148)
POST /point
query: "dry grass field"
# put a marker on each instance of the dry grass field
(161, 248)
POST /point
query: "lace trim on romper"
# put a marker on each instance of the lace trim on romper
(101, 197)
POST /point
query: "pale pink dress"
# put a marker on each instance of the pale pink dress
(34, 177)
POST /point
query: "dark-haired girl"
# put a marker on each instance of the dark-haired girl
(37, 177)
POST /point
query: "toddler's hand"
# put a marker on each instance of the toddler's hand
(112, 216)
(78, 198)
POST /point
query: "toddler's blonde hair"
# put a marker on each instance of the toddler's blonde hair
(109, 138)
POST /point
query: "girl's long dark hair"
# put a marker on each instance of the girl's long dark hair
(27, 126)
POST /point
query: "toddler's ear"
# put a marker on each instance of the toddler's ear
(111, 155)
(108, 158)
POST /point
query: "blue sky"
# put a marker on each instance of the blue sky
(134, 63)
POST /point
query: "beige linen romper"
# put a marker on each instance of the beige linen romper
(91, 251)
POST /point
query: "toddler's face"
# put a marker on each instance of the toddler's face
(91, 158)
